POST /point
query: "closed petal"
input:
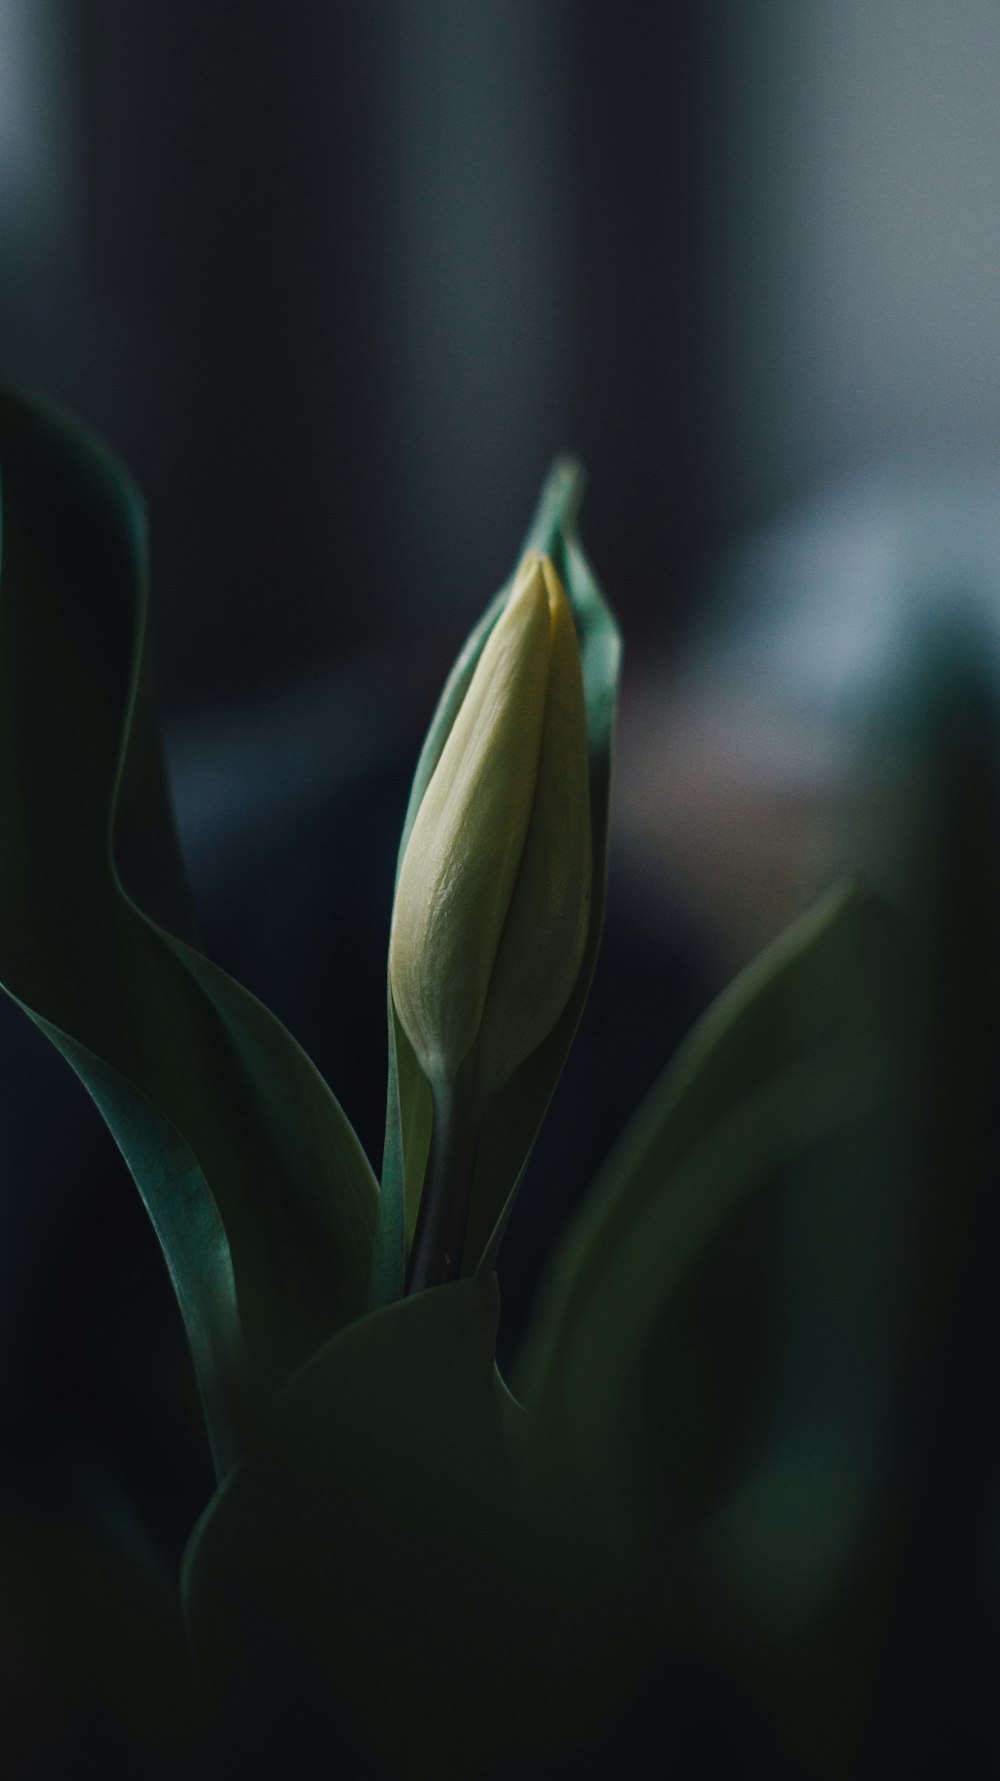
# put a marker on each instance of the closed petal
(464, 853)
(542, 944)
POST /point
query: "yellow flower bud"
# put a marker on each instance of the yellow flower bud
(492, 905)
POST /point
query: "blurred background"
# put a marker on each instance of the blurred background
(338, 281)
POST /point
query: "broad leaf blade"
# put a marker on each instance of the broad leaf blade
(353, 1574)
(84, 823)
(192, 1237)
(727, 1115)
(750, 1034)
(370, 1580)
(715, 1351)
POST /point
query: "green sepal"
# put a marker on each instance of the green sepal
(512, 1124)
(258, 1187)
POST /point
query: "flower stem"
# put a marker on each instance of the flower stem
(438, 1241)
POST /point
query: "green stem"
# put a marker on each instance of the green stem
(438, 1241)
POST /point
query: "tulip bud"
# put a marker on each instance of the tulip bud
(492, 905)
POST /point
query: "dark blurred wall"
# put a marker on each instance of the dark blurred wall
(233, 195)
(852, 279)
(42, 303)
(480, 335)
(340, 279)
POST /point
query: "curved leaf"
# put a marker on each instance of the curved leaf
(819, 985)
(715, 1351)
(354, 1573)
(258, 1187)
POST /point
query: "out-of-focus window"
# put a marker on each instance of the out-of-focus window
(40, 298)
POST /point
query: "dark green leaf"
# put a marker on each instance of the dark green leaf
(702, 1327)
(790, 1003)
(361, 1572)
(257, 1185)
